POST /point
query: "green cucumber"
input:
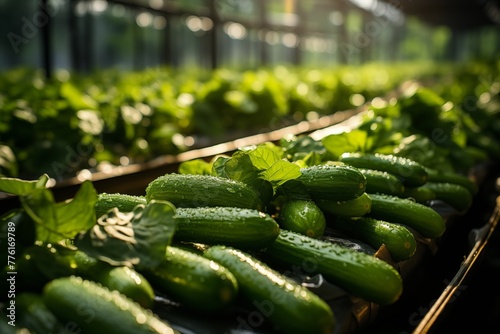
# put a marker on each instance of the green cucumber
(410, 172)
(335, 182)
(189, 190)
(382, 182)
(302, 216)
(89, 307)
(420, 194)
(421, 218)
(33, 314)
(358, 273)
(288, 305)
(125, 203)
(194, 281)
(241, 228)
(357, 207)
(123, 279)
(455, 178)
(459, 197)
(400, 242)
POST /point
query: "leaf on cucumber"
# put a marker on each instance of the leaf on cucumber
(21, 187)
(136, 238)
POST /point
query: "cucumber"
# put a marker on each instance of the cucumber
(123, 279)
(242, 228)
(400, 242)
(357, 207)
(410, 172)
(335, 182)
(455, 178)
(420, 194)
(194, 281)
(421, 218)
(459, 197)
(89, 307)
(288, 305)
(358, 273)
(382, 182)
(187, 190)
(33, 314)
(125, 203)
(302, 216)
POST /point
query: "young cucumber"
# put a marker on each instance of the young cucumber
(420, 194)
(459, 197)
(450, 177)
(194, 281)
(382, 182)
(400, 242)
(421, 218)
(288, 305)
(302, 216)
(121, 278)
(125, 203)
(358, 273)
(91, 308)
(356, 207)
(333, 182)
(410, 172)
(186, 190)
(242, 228)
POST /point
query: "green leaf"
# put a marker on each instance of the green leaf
(196, 166)
(353, 141)
(64, 220)
(280, 172)
(137, 238)
(20, 187)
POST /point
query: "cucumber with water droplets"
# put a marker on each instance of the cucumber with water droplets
(410, 172)
(420, 194)
(88, 307)
(356, 207)
(190, 190)
(382, 182)
(360, 274)
(336, 182)
(459, 197)
(242, 228)
(124, 202)
(423, 219)
(302, 216)
(400, 242)
(287, 304)
(194, 281)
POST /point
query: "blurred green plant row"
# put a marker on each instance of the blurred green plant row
(71, 122)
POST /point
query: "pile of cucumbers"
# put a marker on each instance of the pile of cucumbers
(231, 244)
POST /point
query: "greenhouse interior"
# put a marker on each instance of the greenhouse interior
(249, 166)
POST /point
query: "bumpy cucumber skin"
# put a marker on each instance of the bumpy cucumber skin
(419, 194)
(124, 203)
(123, 279)
(455, 178)
(194, 281)
(302, 216)
(186, 190)
(400, 242)
(459, 197)
(241, 228)
(335, 182)
(410, 172)
(382, 182)
(421, 218)
(356, 207)
(360, 274)
(290, 306)
(88, 306)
